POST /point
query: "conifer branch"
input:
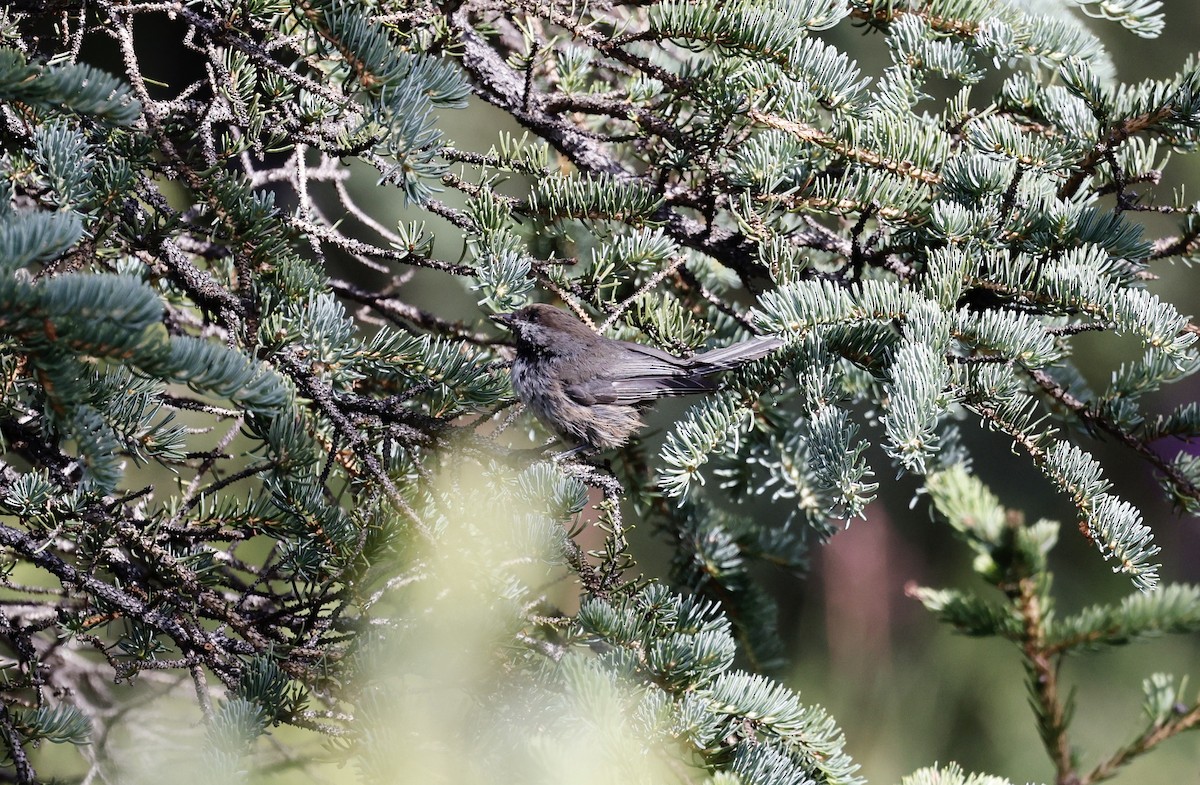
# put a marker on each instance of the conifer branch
(503, 87)
(1042, 667)
(1086, 414)
(24, 772)
(1188, 719)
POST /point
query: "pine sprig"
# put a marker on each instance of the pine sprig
(1012, 556)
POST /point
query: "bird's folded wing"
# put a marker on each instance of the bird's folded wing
(630, 392)
(636, 374)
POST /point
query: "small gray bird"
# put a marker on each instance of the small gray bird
(590, 389)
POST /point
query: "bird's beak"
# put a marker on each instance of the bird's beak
(503, 318)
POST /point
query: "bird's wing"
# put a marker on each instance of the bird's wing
(630, 392)
(633, 374)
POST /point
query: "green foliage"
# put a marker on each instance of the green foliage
(951, 775)
(60, 724)
(707, 429)
(246, 437)
(1012, 557)
(74, 87)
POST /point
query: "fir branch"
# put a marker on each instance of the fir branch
(502, 86)
(611, 48)
(24, 772)
(323, 397)
(1088, 415)
(1051, 708)
(1186, 719)
(219, 648)
(367, 251)
(1113, 139)
(812, 135)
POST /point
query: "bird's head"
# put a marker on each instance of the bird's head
(546, 330)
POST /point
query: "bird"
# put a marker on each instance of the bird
(590, 389)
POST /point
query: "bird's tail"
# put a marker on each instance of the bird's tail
(741, 353)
